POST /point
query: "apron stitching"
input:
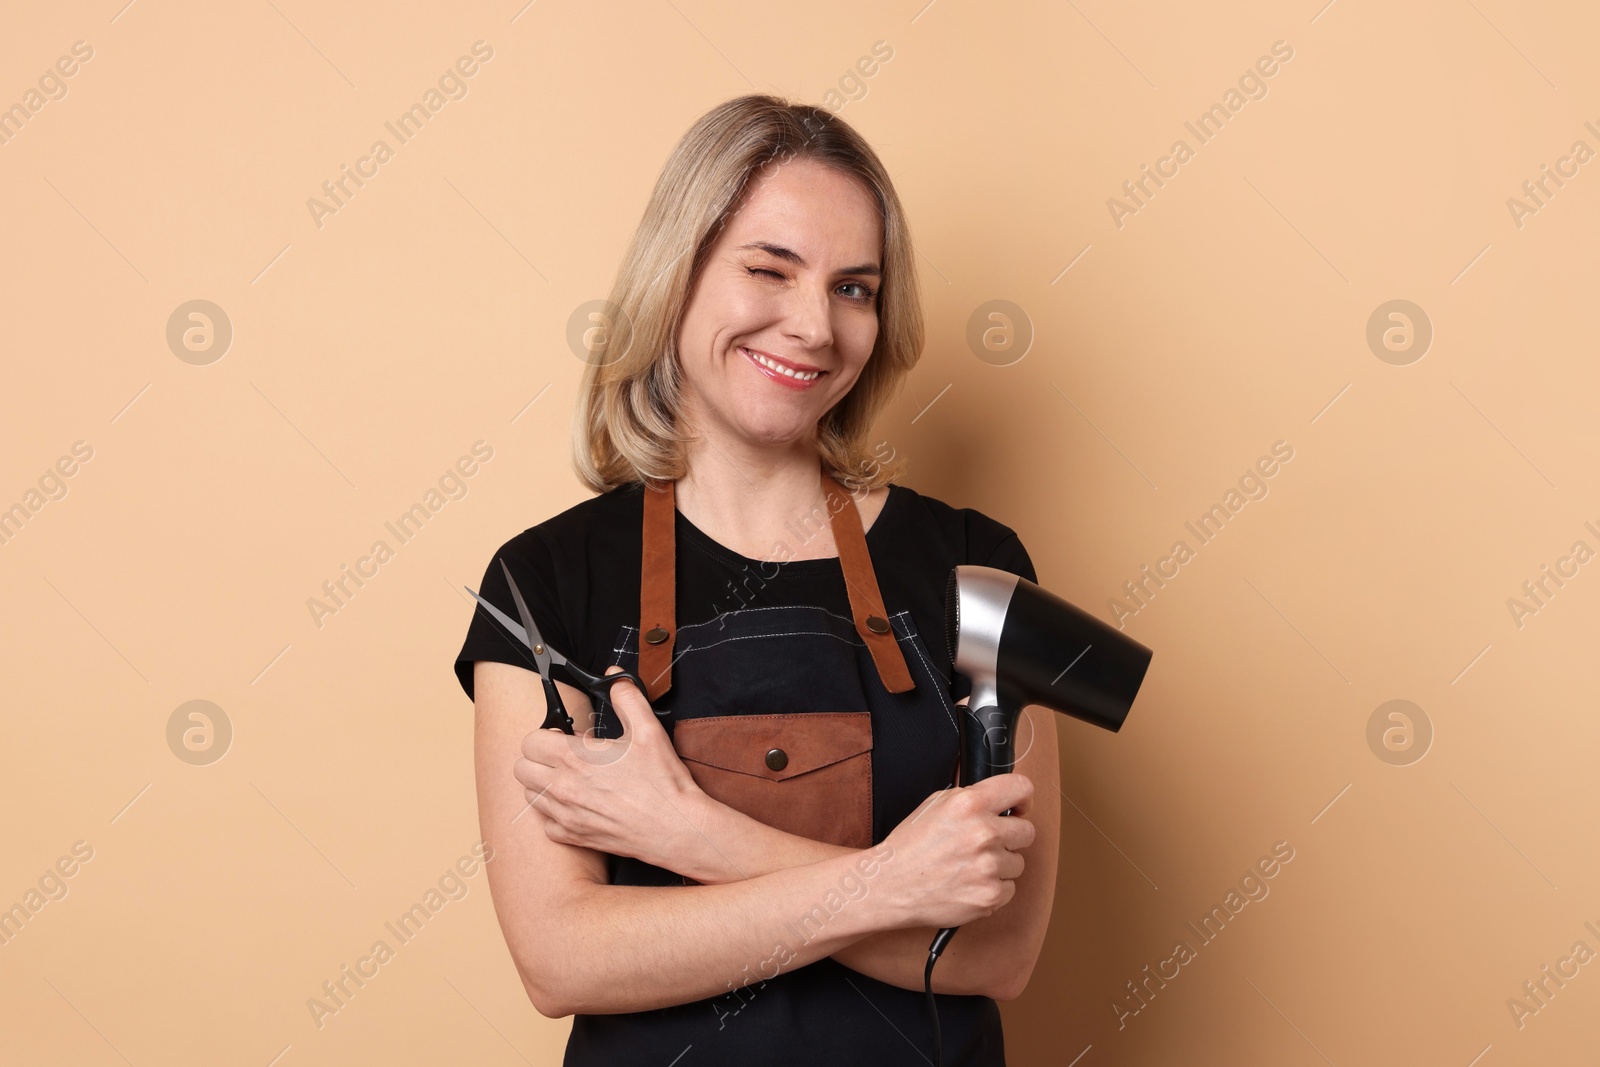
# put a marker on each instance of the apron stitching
(858, 643)
(929, 668)
(911, 628)
(769, 607)
(627, 628)
(904, 616)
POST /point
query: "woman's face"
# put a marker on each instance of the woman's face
(792, 279)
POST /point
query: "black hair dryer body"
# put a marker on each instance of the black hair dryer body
(1020, 644)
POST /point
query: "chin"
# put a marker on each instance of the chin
(773, 435)
(777, 415)
(777, 430)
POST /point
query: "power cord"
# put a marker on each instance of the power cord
(939, 942)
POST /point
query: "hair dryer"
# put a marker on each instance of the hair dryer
(1020, 645)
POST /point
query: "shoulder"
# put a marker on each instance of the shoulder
(971, 535)
(566, 568)
(568, 533)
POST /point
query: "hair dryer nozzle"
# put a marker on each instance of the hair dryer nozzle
(1021, 644)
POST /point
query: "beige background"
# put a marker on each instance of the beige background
(430, 312)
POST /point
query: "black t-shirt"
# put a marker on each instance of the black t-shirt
(578, 571)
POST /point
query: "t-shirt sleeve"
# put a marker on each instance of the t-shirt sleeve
(533, 569)
(1008, 555)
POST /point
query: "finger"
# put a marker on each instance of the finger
(545, 746)
(1016, 833)
(1023, 807)
(1002, 791)
(632, 707)
(534, 777)
(545, 803)
(1011, 866)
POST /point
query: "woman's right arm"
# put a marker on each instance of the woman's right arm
(582, 945)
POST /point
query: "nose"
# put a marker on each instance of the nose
(810, 317)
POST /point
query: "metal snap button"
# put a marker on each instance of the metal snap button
(656, 635)
(877, 624)
(777, 759)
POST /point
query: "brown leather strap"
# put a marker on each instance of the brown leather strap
(866, 603)
(657, 584)
(657, 590)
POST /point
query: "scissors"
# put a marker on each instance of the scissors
(598, 686)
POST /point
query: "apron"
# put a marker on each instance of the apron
(830, 727)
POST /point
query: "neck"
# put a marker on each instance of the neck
(767, 503)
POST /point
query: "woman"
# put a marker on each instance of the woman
(747, 862)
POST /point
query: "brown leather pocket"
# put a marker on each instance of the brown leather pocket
(808, 774)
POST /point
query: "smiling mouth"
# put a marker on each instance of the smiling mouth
(784, 372)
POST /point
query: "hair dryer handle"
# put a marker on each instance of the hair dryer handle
(988, 742)
(988, 748)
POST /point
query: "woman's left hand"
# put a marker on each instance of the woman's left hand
(631, 796)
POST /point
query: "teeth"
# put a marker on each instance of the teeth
(803, 376)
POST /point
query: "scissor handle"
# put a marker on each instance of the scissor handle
(597, 685)
(603, 683)
(607, 680)
(555, 709)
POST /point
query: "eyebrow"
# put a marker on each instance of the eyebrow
(796, 258)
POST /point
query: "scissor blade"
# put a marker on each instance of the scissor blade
(530, 629)
(505, 620)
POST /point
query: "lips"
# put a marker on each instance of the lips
(783, 371)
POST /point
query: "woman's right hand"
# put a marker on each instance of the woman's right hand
(955, 858)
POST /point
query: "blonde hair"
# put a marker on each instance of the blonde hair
(626, 427)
